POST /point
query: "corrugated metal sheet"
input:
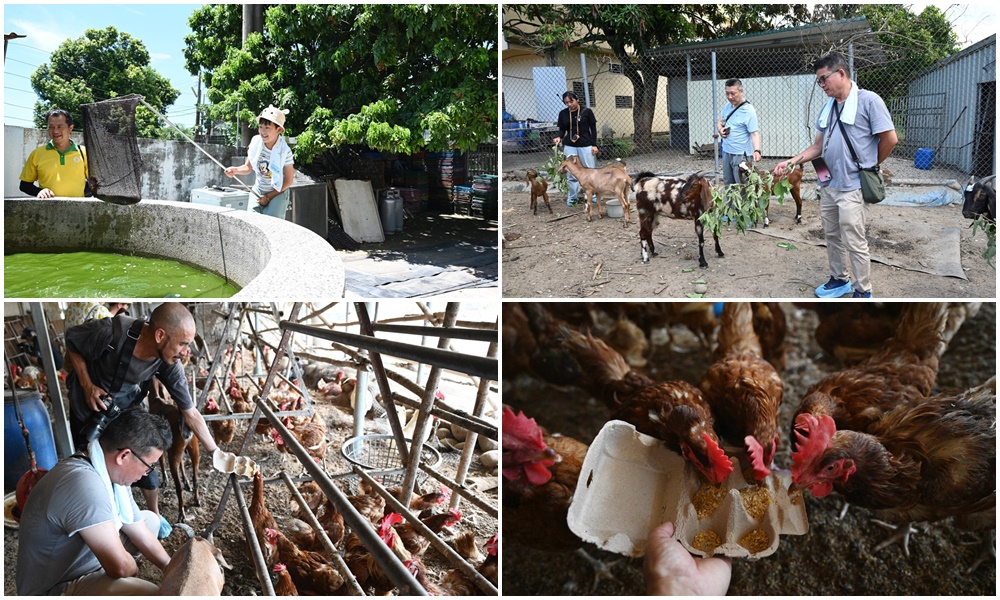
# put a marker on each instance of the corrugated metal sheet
(957, 79)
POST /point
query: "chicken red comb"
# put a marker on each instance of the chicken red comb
(279, 567)
(492, 545)
(721, 465)
(813, 437)
(272, 534)
(756, 453)
(389, 520)
(455, 513)
(438, 394)
(445, 492)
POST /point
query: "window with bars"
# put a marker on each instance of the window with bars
(623, 102)
(578, 90)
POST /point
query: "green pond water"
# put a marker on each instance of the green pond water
(106, 275)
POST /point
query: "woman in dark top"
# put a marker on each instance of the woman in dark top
(578, 131)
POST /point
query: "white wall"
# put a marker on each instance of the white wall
(784, 131)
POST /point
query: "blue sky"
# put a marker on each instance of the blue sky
(161, 27)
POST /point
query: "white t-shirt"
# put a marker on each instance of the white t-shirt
(265, 176)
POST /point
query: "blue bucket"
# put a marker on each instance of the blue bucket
(924, 158)
(15, 453)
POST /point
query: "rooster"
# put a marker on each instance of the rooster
(222, 430)
(743, 389)
(922, 461)
(672, 411)
(540, 474)
(310, 571)
(903, 371)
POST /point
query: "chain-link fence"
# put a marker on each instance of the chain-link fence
(658, 111)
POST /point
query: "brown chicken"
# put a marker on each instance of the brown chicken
(311, 434)
(332, 389)
(531, 339)
(310, 571)
(261, 518)
(364, 566)
(489, 568)
(313, 497)
(419, 571)
(223, 430)
(903, 371)
(922, 461)
(371, 506)
(770, 325)
(415, 542)
(418, 502)
(540, 474)
(672, 411)
(332, 522)
(744, 390)
(303, 535)
(465, 545)
(284, 586)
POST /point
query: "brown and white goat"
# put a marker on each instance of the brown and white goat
(183, 439)
(605, 181)
(539, 188)
(677, 199)
(794, 176)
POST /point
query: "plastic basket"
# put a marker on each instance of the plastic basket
(379, 457)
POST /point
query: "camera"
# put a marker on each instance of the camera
(98, 421)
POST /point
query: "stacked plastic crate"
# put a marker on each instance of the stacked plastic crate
(484, 196)
(445, 171)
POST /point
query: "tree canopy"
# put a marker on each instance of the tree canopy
(101, 64)
(377, 75)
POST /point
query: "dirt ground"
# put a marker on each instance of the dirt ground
(834, 557)
(573, 258)
(230, 537)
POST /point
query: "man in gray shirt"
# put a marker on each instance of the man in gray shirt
(79, 532)
(867, 122)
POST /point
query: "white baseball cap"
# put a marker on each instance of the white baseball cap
(273, 115)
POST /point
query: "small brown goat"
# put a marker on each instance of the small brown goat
(195, 569)
(539, 188)
(605, 181)
(183, 439)
(685, 199)
(794, 179)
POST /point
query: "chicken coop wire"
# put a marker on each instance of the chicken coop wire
(668, 126)
(379, 457)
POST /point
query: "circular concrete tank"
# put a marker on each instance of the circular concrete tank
(267, 258)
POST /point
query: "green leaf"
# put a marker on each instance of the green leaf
(686, 270)
(692, 295)
(787, 246)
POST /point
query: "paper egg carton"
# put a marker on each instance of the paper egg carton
(630, 483)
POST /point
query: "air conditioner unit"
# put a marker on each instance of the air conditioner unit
(221, 196)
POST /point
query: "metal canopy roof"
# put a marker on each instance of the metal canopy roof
(790, 50)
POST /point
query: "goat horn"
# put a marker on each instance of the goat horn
(185, 528)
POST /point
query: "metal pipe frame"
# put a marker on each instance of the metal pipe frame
(465, 420)
(393, 568)
(472, 365)
(472, 437)
(455, 333)
(256, 553)
(462, 491)
(383, 385)
(338, 561)
(453, 557)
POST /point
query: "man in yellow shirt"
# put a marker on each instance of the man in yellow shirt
(60, 166)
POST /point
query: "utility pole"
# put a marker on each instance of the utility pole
(6, 38)
(253, 20)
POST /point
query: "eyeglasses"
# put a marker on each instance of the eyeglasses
(821, 80)
(149, 467)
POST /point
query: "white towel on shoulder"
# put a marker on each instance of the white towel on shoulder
(847, 114)
(120, 495)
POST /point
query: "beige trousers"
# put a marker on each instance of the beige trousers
(99, 583)
(844, 216)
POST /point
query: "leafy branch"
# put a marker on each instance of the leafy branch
(729, 206)
(990, 227)
(551, 167)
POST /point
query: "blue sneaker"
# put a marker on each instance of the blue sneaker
(858, 294)
(835, 288)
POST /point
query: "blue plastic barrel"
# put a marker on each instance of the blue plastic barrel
(15, 453)
(924, 158)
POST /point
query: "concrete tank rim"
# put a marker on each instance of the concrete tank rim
(296, 253)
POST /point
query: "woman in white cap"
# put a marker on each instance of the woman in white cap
(267, 151)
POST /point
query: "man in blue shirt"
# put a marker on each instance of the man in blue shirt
(740, 132)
